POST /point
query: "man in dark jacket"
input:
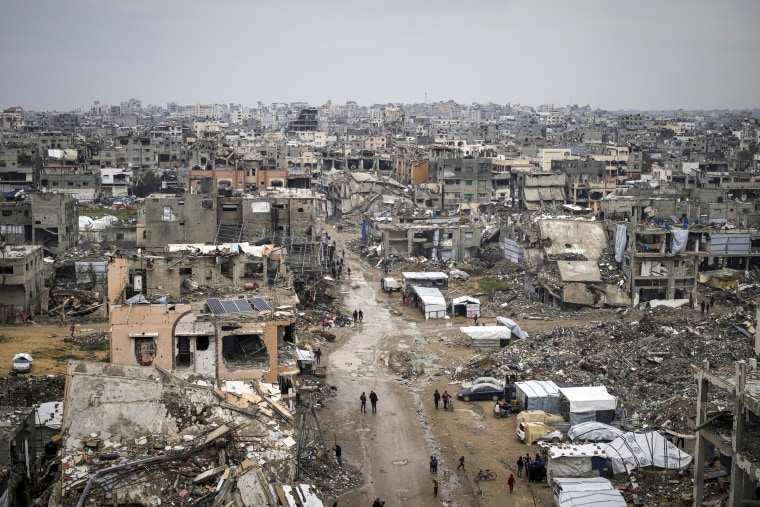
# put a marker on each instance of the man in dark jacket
(373, 400)
(436, 398)
(363, 399)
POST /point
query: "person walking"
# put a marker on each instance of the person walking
(431, 464)
(363, 399)
(338, 452)
(703, 307)
(712, 299)
(356, 316)
(435, 486)
(520, 465)
(348, 270)
(511, 482)
(434, 465)
(707, 308)
(436, 398)
(361, 316)
(373, 400)
(318, 355)
(72, 328)
(461, 463)
(446, 399)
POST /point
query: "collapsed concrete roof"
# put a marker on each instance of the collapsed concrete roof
(145, 436)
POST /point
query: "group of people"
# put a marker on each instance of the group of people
(501, 409)
(372, 400)
(446, 397)
(706, 305)
(534, 468)
(358, 315)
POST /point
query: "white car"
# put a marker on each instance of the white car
(22, 363)
(482, 380)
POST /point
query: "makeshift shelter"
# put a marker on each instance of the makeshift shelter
(638, 450)
(432, 302)
(487, 337)
(512, 325)
(465, 306)
(589, 403)
(538, 416)
(538, 395)
(435, 279)
(535, 430)
(594, 431)
(582, 492)
(588, 460)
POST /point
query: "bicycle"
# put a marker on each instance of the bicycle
(485, 475)
(449, 406)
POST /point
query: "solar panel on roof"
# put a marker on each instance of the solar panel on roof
(261, 305)
(242, 305)
(229, 306)
(215, 306)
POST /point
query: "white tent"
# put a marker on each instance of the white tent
(570, 460)
(597, 491)
(538, 395)
(589, 403)
(639, 450)
(487, 337)
(433, 303)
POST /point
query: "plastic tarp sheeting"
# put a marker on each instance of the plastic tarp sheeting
(536, 430)
(595, 431)
(573, 461)
(260, 207)
(591, 491)
(645, 449)
(588, 398)
(538, 416)
(512, 325)
(678, 239)
(49, 414)
(483, 332)
(621, 238)
(538, 395)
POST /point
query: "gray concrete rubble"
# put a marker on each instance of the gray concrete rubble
(144, 436)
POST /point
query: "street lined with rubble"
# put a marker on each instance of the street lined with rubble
(644, 357)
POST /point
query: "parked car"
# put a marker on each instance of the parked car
(22, 363)
(481, 380)
(483, 391)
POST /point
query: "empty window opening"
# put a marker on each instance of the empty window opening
(244, 351)
(184, 354)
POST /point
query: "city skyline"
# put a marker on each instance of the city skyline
(657, 56)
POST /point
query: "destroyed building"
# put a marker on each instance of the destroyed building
(145, 436)
(18, 455)
(214, 345)
(435, 238)
(728, 431)
(21, 281)
(50, 220)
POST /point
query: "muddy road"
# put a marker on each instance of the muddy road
(391, 449)
(388, 447)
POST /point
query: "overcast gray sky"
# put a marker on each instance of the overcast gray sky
(642, 54)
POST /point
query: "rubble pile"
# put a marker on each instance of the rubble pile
(93, 340)
(27, 390)
(648, 365)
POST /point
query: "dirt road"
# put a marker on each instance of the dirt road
(392, 448)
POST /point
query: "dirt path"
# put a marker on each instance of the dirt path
(392, 449)
(45, 343)
(388, 448)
